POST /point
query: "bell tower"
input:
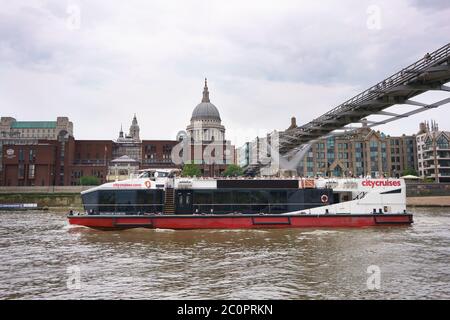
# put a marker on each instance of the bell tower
(134, 129)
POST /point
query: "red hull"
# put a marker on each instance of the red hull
(239, 221)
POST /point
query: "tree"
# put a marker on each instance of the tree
(89, 181)
(190, 170)
(233, 170)
(409, 171)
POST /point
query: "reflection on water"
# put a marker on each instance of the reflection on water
(37, 248)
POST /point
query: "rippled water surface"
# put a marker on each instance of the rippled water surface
(39, 252)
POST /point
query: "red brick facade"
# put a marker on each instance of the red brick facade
(43, 164)
(157, 153)
(91, 158)
(51, 162)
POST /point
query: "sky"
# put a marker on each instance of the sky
(101, 62)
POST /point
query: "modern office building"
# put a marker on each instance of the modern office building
(243, 155)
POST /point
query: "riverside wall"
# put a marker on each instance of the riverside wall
(427, 189)
(61, 198)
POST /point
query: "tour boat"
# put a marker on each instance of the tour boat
(161, 199)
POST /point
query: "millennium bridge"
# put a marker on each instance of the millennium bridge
(431, 72)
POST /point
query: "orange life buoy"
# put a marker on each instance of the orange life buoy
(148, 184)
(324, 198)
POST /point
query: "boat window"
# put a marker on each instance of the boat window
(144, 174)
(126, 201)
(278, 196)
(90, 200)
(107, 201)
(223, 197)
(242, 196)
(260, 196)
(161, 174)
(203, 197)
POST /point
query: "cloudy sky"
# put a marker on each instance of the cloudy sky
(99, 62)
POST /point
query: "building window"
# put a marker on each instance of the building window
(442, 143)
(330, 142)
(428, 144)
(21, 172)
(31, 170)
(373, 145)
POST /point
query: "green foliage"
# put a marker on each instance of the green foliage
(190, 170)
(89, 181)
(233, 170)
(409, 171)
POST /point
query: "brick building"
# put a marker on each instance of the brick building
(365, 152)
(91, 158)
(30, 165)
(37, 157)
(157, 153)
(43, 163)
(14, 132)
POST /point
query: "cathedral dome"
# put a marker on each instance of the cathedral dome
(205, 110)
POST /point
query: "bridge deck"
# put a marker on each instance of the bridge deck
(429, 73)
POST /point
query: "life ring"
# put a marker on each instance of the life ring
(148, 184)
(324, 198)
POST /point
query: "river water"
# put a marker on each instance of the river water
(42, 257)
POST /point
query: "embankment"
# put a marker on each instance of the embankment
(421, 189)
(438, 201)
(420, 194)
(52, 198)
